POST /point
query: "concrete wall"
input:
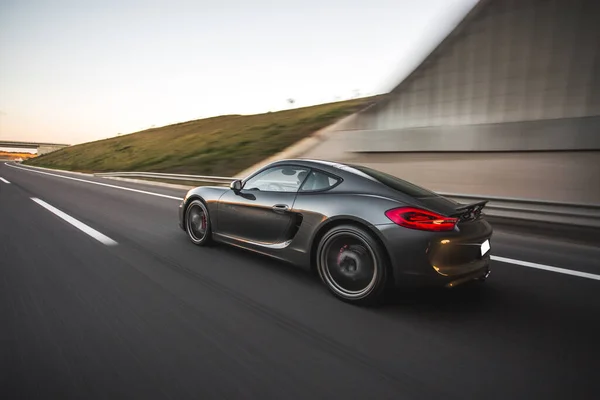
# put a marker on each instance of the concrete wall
(508, 105)
(572, 176)
(561, 176)
(48, 149)
(510, 60)
(546, 134)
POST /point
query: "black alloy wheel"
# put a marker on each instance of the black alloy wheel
(197, 223)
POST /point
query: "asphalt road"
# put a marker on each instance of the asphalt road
(153, 316)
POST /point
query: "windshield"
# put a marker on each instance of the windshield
(395, 183)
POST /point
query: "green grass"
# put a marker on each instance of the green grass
(222, 145)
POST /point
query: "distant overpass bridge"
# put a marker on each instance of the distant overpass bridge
(42, 148)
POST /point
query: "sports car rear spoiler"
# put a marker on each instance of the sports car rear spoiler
(468, 212)
(478, 204)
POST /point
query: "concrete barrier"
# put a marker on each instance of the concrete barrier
(553, 176)
(566, 134)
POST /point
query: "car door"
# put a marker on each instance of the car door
(261, 210)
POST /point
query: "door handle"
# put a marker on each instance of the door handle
(280, 208)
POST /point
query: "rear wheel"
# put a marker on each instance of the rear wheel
(197, 223)
(352, 265)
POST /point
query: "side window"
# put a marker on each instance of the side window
(283, 178)
(318, 181)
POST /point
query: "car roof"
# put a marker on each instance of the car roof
(310, 162)
(345, 171)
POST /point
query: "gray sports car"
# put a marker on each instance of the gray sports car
(362, 230)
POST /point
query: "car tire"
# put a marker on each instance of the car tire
(352, 265)
(197, 223)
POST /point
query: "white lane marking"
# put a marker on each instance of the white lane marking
(97, 183)
(77, 224)
(546, 267)
(4, 180)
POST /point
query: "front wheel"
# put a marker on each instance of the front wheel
(197, 223)
(352, 265)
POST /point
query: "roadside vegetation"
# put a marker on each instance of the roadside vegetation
(222, 145)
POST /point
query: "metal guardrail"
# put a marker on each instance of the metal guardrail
(174, 177)
(526, 209)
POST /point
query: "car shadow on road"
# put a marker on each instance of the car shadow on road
(471, 297)
(273, 265)
(466, 298)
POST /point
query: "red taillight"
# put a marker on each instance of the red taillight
(416, 218)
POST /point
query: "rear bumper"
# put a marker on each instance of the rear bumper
(437, 258)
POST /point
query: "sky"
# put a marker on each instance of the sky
(77, 71)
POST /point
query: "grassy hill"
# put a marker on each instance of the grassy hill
(222, 145)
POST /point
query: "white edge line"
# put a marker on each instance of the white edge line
(4, 180)
(97, 183)
(77, 224)
(546, 267)
(59, 170)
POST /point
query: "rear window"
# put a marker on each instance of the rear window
(318, 181)
(395, 183)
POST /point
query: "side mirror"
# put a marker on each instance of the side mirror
(236, 185)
